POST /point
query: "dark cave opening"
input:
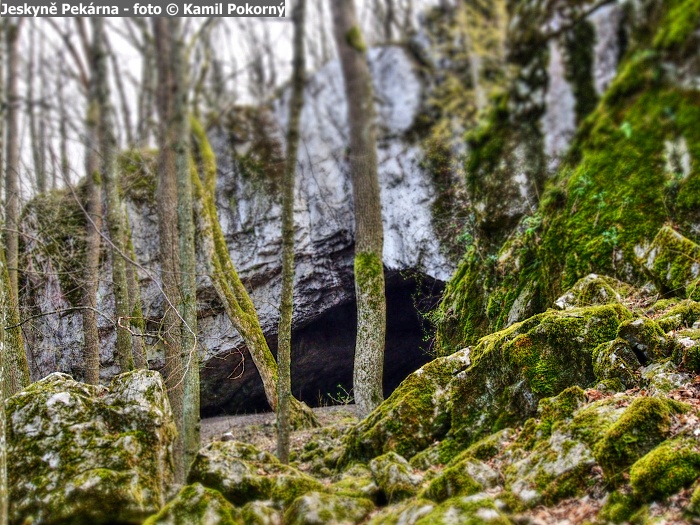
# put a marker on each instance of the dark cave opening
(323, 351)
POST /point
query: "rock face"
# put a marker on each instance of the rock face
(83, 454)
(249, 211)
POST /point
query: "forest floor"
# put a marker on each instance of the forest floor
(259, 430)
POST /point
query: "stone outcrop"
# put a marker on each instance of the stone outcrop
(83, 454)
(248, 151)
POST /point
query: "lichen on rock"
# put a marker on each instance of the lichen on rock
(84, 454)
(195, 504)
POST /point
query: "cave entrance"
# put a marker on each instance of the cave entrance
(323, 350)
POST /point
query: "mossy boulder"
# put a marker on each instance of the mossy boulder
(558, 467)
(646, 339)
(261, 513)
(357, 481)
(462, 478)
(678, 315)
(659, 379)
(515, 368)
(665, 470)
(615, 360)
(496, 384)
(197, 504)
(318, 508)
(242, 474)
(645, 423)
(413, 417)
(404, 513)
(86, 454)
(674, 262)
(593, 290)
(394, 476)
(478, 509)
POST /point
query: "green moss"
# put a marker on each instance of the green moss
(665, 470)
(478, 509)
(194, 504)
(355, 40)
(673, 262)
(643, 425)
(451, 482)
(137, 175)
(674, 315)
(622, 508)
(680, 21)
(615, 361)
(580, 42)
(559, 408)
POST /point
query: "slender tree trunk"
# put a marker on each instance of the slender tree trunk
(136, 320)
(93, 224)
(34, 131)
(123, 101)
(174, 158)
(228, 286)
(16, 365)
(4, 489)
(284, 337)
(369, 236)
(3, 89)
(188, 287)
(12, 31)
(113, 206)
(63, 127)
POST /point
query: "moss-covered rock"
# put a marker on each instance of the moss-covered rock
(221, 466)
(478, 509)
(413, 417)
(318, 508)
(404, 513)
(645, 423)
(261, 513)
(195, 504)
(84, 454)
(496, 384)
(661, 378)
(538, 358)
(646, 338)
(357, 481)
(593, 290)
(674, 262)
(665, 470)
(615, 360)
(678, 315)
(463, 478)
(394, 476)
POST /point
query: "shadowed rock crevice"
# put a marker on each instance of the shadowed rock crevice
(323, 352)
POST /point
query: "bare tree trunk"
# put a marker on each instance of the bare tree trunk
(4, 295)
(176, 242)
(113, 212)
(12, 31)
(136, 320)
(93, 224)
(369, 235)
(188, 287)
(284, 332)
(34, 129)
(228, 286)
(63, 127)
(123, 101)
(3, 90)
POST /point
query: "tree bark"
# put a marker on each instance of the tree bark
(93, 225)
(369, 236)
(114, 216)
(228, 286)
(284, 332)
(12, 157)
(177, 242)
(4, 294)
